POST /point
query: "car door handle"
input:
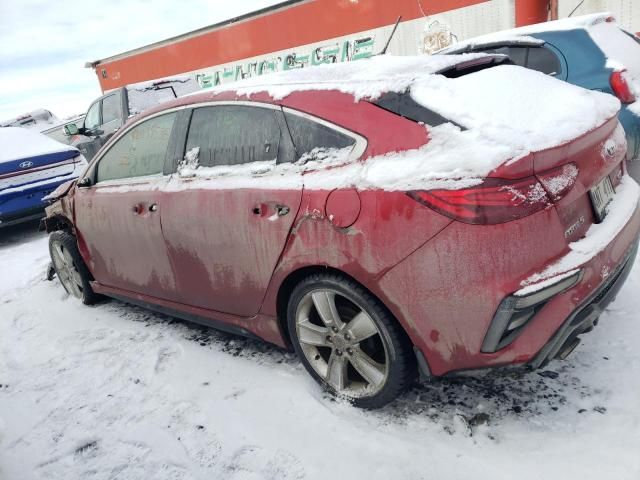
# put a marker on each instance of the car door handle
(263, 209)
(139, 208)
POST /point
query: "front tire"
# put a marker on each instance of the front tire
(70, 267)
(348, 341)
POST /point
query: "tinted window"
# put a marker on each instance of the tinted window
(111, 108)
(92, 120)
(308, 135)
(141, 151)
(518, 55)
(232, 135)
(543, 60)
(404, 105)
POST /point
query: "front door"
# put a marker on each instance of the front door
(118, 217)
(226, 228)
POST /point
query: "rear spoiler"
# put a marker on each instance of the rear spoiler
(475, 65)
(471, 46)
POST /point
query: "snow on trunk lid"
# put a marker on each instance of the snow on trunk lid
(515, 106)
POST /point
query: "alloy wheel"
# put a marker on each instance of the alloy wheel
(342, 343)
(67, 270)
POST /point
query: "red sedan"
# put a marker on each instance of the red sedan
(383, 218)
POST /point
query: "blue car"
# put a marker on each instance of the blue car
(592, 52)
(32, 166)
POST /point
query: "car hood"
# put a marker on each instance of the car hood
(22, 149)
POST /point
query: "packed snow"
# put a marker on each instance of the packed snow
(584, 22)
(17, 143)
(116, 392)
(621, 209)
(364, 79)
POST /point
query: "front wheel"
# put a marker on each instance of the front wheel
(70, 268)
(348, 341)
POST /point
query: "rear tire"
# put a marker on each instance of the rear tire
(348, 342)
(70, 267)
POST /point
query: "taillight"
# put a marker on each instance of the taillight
(622, 87)
(494, 201)
(559, 181)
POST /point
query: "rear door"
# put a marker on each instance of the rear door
(226, 227)
(118, 217)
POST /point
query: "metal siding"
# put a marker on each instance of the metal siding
(627, 12)
(301, 24)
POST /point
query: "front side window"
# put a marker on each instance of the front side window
(233, 135)
(309, 136)
(141, 151)
(111, 108)
(92, 120)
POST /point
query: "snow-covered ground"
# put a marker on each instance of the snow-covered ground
(116, 392)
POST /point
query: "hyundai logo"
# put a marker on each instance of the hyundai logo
(26, 164)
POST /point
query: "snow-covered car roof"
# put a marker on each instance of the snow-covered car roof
(505, 112)
(501, 97)
(21, 144)
(368, 78)
(522, 35)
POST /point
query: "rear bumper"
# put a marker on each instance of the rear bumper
(446, 294)
(586, 316)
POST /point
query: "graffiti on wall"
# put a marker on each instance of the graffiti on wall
(341, 51)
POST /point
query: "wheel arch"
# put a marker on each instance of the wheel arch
(57, 222)
(295, 277)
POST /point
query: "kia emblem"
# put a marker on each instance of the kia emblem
(26, 164)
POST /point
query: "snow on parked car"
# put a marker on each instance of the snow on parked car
(31, 166)
(590, 51)
(385, 217)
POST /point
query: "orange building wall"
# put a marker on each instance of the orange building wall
(297, 25)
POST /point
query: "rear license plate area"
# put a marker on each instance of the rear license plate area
(601, 196)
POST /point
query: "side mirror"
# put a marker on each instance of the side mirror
(71, 129)
(85, 182)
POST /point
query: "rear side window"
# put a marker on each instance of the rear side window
(543, 60)
(139, 152)
(404, 105)
(233, 135)
(309, 135)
